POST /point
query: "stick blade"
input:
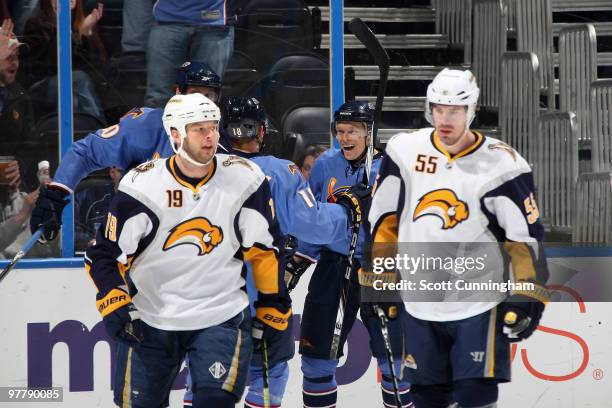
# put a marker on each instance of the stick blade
(367, 37)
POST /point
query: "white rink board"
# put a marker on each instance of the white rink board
(569, 360)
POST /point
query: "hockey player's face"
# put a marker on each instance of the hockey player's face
(351, 138)
(201, 141)
(450, 122)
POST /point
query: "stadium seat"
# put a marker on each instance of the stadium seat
(303, 126)
(240, 75)
(270, 29)
(295, 80)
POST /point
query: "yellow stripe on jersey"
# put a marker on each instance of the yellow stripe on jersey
(265, 269)
(386, 230)
(522, 261)
(230, 381)
(123, 269)
(115, 299)
(438, 145)
(185, 183)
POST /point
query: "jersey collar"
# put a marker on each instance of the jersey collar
(176, 173)
(468, 150)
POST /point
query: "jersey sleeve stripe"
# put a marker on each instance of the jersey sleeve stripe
(265, 268)
(385, 229)
(521, 258)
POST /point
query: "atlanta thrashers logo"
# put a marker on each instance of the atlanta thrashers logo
(196, 231)
(444, 204)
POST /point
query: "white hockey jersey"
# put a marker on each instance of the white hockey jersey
(482, 194)
(180, 248)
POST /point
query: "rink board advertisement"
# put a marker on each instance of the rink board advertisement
(52, 335)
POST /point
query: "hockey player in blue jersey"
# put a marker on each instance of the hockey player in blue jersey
(333, 173)
(139, 136)
(298, 214)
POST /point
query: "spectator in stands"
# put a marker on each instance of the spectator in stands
(137, 23)
(8, 41)
(186, 30)
(16, 118)
(307, 159)
(15, 210)
(88, 56)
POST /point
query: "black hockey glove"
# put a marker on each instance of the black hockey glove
(522, 311)
(121, 318)
(294, 270)
(48, 212)
(272, 315)
(357, 199)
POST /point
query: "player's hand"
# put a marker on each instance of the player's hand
(121, 318)
(522, 312)
(295, 268)
(271, 316)
(48, 212)
(357, 200)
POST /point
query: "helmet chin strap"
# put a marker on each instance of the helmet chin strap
(184, 155)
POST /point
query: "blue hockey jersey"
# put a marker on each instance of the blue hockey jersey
(138, 137)
(330, 174)
(298, 212)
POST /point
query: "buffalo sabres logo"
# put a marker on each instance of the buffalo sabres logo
(196, 231)
(443, 204)
(236, 160)
(142, 168)
(504, 147)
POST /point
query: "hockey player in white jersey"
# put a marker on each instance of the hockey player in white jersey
(168, 263)
(452, 184)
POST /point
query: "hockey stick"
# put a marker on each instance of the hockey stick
(381, 58)
(333, 352)
(389, 352)
(26, 248)
(265, 374)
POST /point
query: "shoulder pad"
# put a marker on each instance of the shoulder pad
(143, 168)
(232, 159)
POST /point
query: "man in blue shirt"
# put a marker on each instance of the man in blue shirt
(200, 30)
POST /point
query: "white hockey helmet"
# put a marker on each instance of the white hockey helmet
(182, 110)
(453, 87)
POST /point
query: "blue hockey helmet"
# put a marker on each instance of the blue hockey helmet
(242, 117)
(354, 111)
(196, 73)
